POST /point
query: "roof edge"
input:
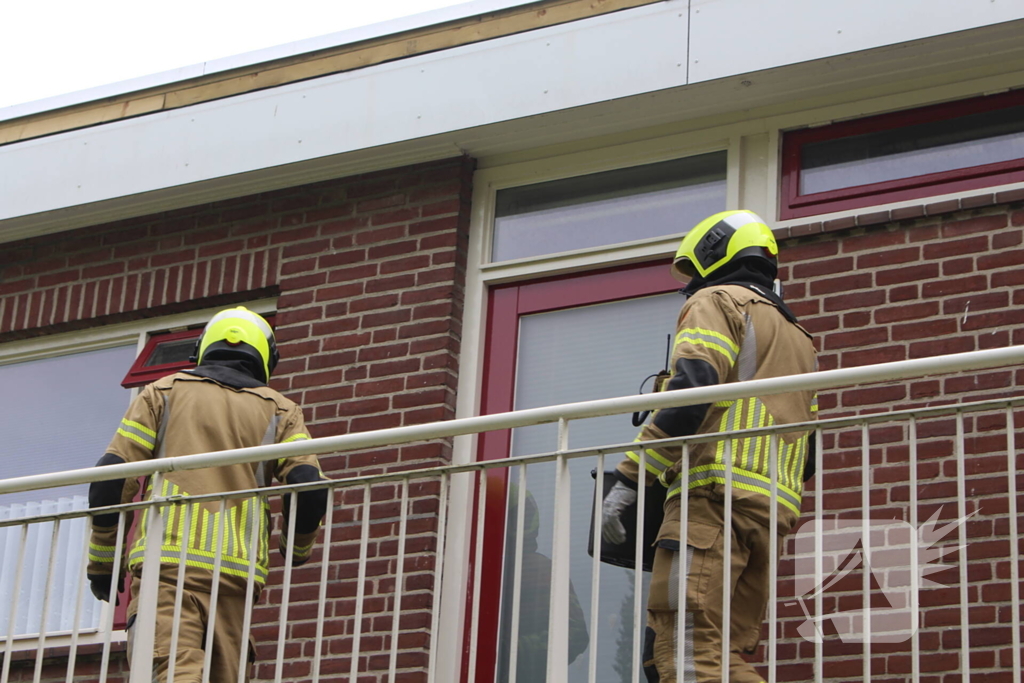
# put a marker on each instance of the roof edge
(440, 29)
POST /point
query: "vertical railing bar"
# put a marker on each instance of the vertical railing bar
(364, 541)
(144, 629)
(961, 504)
(915, 640)
(46, 602)
(595, 573)
(865, 525)
(1011, 472)
(435, 607)
(325, 566)
(255, 543)
(108, 610)
(517, 574)
(727, 564)
(819, 510)
(13, 613)
(773, 558)
(79, 594)
(286, 589)
(638, 567)
(684, 511)
(218, 559)
(477, 574)
(179, 590)
(558, 616)
(399, 578)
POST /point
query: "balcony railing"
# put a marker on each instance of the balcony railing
(853, 574)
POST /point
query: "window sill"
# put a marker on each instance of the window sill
(59, 645)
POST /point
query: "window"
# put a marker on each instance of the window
(905, 155)
(607, 208)
(61, 404)
(164, 354)
(558, 255)
(536, 358)
(58, 415)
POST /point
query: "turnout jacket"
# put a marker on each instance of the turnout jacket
(185, 414)
(730, 333)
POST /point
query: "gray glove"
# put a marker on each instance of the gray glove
(617, 500)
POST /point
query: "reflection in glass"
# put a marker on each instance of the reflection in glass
(910, 151)
(578, 354)
(613, 207)
(175, 351)
(58, 414)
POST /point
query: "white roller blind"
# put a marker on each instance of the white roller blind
(579, 354)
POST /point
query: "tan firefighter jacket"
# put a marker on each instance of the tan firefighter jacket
(184, 414)
(743, 336)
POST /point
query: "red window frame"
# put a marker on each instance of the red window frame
(507, 303)
(795, 205)
(140, 375)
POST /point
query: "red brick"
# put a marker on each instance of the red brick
(946, 287)
(889, 314)
(874, 239)
(866, 299)
(1004, 259)
(905, 293)
(940, 347)
(906, 212)
(885, 354)
(924, 329)
(888, 257)
(973, 225)
(938, 208)
(808, 251)
(923, 271)
(842, 340)
(947, 248)
(824, 267)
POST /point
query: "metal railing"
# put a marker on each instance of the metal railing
(560, 593)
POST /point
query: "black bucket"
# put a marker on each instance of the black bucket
(624, 554)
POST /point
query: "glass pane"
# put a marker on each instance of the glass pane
(595, 210)
(933, 147)
(58, 414)
(176, 351)
(579, 354)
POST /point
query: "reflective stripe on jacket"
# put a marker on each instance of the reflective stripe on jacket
(742, 336)
(185, 414)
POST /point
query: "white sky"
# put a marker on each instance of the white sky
(54, 47)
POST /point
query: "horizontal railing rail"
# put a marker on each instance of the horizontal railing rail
(816, 381)
(925, 412)
(559, 606)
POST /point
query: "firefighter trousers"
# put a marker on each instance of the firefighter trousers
(190, 654)
(704, 563)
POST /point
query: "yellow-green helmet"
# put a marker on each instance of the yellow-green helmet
(722, 239)
(238, 332)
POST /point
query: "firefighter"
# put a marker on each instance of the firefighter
(732, 327)
(223, 403)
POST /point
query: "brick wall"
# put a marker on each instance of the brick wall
(369, 275)
(927, 285)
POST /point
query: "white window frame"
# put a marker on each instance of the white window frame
(137, 332)
(481, 274)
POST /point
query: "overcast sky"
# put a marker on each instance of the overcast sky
(54, 47)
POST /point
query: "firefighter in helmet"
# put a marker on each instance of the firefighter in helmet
(224, 403)
(734, 326)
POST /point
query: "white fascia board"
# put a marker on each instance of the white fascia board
(731, 37)
(300, 47)
(556, 68)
